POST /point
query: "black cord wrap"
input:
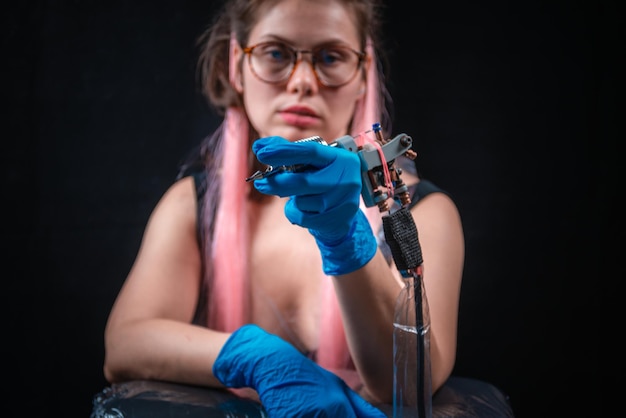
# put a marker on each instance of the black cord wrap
(401, 236)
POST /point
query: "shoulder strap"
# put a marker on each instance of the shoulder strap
(199, 179)
(423, 189)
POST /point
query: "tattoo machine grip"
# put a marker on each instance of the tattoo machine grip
(401, 236)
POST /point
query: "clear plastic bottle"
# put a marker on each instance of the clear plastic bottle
(412, 384)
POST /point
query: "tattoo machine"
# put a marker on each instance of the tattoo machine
(380, 176)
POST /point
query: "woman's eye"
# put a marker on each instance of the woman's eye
(330, 56)
(277, 53)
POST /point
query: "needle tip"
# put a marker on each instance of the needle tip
(255, 176)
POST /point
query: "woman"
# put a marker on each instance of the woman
(235, 280)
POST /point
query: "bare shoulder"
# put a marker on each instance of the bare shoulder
(437, 206)
(434, 207)
(178, 203)
(439, 224)
(170, 240)
(180, 192)
(174, 218)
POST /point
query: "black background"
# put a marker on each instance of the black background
(512, 107)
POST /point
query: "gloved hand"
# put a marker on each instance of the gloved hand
(324, 197)
(288, 383)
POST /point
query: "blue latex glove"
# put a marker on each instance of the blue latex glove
(324, 198)
(288, 383)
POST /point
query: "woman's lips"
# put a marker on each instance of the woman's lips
(299, 116)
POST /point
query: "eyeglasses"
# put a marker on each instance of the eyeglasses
(275, 62)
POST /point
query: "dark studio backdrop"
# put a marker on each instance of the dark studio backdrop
(512, 107)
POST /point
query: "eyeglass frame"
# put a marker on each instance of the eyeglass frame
(297, 53)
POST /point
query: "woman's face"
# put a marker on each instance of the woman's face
(301, 106)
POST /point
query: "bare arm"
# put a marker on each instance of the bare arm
(368, 296)
(149, 334)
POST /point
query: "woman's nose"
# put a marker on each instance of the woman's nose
(303, 78)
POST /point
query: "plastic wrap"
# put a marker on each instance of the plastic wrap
(458, 398)
(152, 399)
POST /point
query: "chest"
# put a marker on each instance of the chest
(286, 279)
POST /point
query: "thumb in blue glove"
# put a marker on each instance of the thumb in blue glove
(324, 197)
(288, 383)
